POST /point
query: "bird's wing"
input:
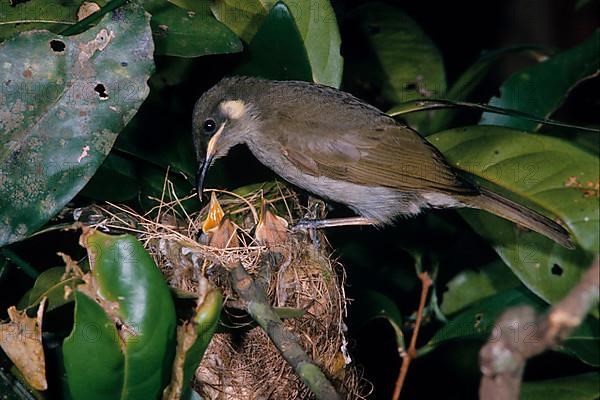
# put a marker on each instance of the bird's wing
(392, 156)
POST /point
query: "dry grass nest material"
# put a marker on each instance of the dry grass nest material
(301, 279)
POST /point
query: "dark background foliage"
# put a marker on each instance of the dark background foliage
(380, 261)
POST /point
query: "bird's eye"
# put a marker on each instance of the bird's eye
(209, 126)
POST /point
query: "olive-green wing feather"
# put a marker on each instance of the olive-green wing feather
(392, 156)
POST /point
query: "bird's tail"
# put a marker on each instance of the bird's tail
(508, 209)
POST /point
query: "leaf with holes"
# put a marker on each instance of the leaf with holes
(541, 89)
(63, 103)
(549, 174)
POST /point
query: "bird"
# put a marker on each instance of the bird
(344, 150)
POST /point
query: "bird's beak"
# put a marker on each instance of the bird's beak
(204, 165)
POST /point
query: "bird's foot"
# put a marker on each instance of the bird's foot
(308, 224)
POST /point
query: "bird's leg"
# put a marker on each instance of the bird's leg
(304, 224)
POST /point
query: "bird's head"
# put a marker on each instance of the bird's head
(224, 116)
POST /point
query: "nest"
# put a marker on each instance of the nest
(303, 283)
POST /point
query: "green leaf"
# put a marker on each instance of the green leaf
(134, 293)
(281, 59)
(371, 305)
(205, 321)
(408, 64)
(182, 33)
(243, 17)
(542, 88)
(545, 173)
(92, 353)
(470, 286)
(61, 116)
(51, 283)
(53, 15)
(314, 21)
(575, 387)
(470, 79)
(477, 322)
(318, 28)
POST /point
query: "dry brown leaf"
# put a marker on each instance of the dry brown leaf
(21, 340)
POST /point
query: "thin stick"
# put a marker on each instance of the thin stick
(411, 354)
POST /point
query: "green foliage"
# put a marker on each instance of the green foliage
(477, 322)
(97, 120)
(537, 169)
(135, 360)
(542, 88)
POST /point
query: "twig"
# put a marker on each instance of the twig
(521, 334)
(411, 354)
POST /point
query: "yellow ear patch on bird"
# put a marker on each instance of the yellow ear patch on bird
(234, 109)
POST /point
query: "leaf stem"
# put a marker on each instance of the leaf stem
(435, 104)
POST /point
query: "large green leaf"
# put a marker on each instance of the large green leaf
(469, 80)
(541, 89)
(547, 173)
(64, 101)
(183, 33)
(281, 59)
(576, 387)
(471, 286)
(93, 346)
(314, 20)
(404, 62)
(137, 314)
(318, 28)
(477, 322)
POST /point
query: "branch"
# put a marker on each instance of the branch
(502, 359)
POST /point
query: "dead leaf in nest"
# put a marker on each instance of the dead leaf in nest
(271, 229)
(215, 215)
(21, 340)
